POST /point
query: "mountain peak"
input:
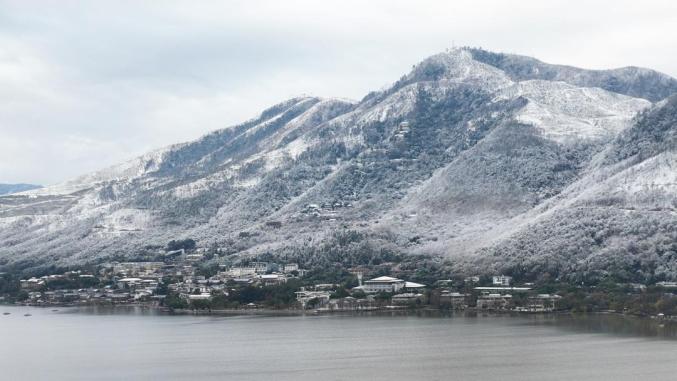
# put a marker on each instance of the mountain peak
(458, 66)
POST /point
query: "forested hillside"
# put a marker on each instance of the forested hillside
(474, 162)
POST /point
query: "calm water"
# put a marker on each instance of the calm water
(142, 345)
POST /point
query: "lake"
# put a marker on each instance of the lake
(142, 344)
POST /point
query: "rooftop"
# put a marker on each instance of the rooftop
(413, 285)
(385, 279)
(503, 288)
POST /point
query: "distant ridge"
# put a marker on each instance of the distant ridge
(16, 188)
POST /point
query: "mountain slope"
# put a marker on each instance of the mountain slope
(467, 156)
(619, 219)
(633, 81)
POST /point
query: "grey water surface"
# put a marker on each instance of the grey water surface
(143, 344)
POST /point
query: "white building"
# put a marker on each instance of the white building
(200, 296)
(383, 284)
(289, 267)
(407, 298)
(493, 302)
(240, 271)
(272, 279)
(126, 283)
(137, 268)
(196, 257)
(542, 303)
(413, 287)
(320, 298)
(502, 280)
(667, 284)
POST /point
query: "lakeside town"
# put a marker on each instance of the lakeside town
(180, 283)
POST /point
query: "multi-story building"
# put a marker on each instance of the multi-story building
(501, 280)
(383, 284)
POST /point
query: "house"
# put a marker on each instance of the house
(130, 269)
(342, 304)
(200, 296)
(501, 280)
(383, 284)
(174, 254)
(243, 280)
(501, 289)
(454, 300)
(127, 283)
(274, 224)
(325, 287)
(259, 267)
(637, 286)
(240, 271)
(667, 284)
(407, 299)
(272, 279)
(34, 295)
(142, 294)
(289, 267)
(293, 267)
(312, 299)
(196, 257)
(494, 302)
(31, 284)
(541, 303)
(312, 207)
(413, 287)
(119, 297)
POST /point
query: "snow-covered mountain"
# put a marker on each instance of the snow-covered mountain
(492, 160)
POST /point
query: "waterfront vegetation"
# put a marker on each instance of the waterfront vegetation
(79, 287)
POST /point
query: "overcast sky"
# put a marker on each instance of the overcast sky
(84, 85)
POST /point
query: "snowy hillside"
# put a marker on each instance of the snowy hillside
(468, 156)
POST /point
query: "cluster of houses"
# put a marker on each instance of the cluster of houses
(498, 297)
(253, 274)
(135, 281)
(328, 211)
(403, 293)
(149, 282)
(131, 282)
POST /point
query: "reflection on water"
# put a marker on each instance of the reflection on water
(135, 343)
(577, 323)
(609, 324)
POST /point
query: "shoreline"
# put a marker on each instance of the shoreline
(364, 312)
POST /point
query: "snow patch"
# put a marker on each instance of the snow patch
(565, 112)
(125, 220)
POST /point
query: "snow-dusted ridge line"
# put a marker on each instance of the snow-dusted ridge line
(331, 151)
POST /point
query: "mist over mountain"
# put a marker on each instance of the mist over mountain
(493, 162)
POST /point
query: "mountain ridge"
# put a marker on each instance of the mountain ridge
(453, 153)
(16, 188)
